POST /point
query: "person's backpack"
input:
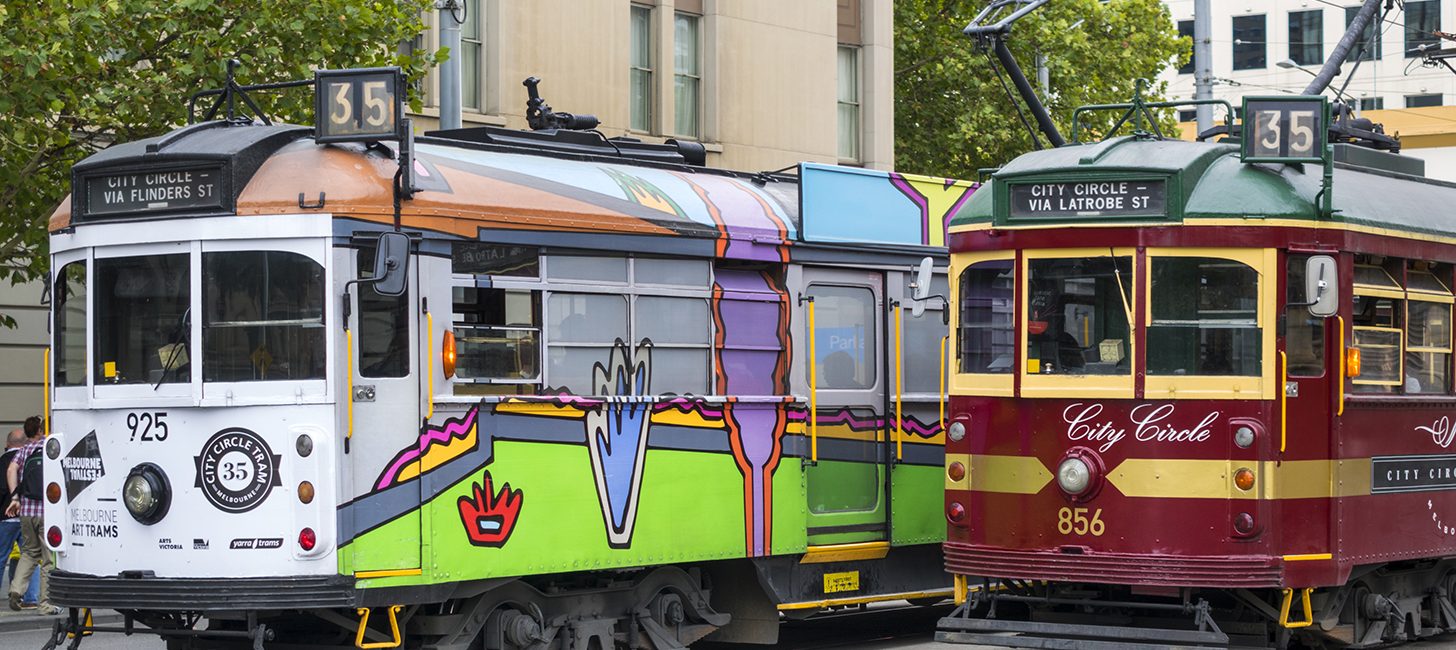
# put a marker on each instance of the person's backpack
(5, 460)
(32, 482)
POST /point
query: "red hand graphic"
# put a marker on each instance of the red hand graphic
(490, 517)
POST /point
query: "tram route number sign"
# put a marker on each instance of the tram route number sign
(155, 190)
(1285, 129)
(364, 105)
(1106, 198)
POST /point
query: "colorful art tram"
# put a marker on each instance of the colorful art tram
(1204, 387)
(568, 393)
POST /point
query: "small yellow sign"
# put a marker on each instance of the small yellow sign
(108, 369)
(837, 582)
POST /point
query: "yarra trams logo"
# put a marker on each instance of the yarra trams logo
(237, 470)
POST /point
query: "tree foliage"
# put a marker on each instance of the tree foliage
(952, 115)
(76, 75)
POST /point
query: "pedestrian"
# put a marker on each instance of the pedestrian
(25, 473)
(10, 526)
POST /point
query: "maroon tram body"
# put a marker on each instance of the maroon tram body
(1345, 495)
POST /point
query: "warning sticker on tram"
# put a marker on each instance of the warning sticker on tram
(154, 190)
(1141, 198)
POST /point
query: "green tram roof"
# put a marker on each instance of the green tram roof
(1208, 181)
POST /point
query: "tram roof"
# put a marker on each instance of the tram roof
(1208, 181)
(467, 189)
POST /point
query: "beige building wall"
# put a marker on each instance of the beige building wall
(769, 73)
(22, 352)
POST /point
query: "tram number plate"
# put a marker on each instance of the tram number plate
(837, 582)
(1284, 129)
(1075, 521)
(358, 105)
(1112, 198)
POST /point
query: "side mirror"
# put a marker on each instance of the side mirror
(920, 287)
(391, 264)
(1321, 286)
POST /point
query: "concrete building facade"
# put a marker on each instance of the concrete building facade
(22, 350)
(764, 84)
(1272, 47)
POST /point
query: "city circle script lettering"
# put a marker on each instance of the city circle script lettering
(154, 190)
(1145, 423)
(1145, 198)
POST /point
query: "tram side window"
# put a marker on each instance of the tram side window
(581, 329)
(70, 309)
(143, 319)
(497, 334)
(1077, 316)
(1428, 329)
(263, 316)
(383, 327)
(921, 339)
(1204, 317)
(845, 338)
(985, 341)
(680, 330)
(1304, 338)
(1377, 332)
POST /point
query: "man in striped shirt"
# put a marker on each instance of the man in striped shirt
(28, 504)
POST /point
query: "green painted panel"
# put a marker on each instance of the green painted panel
(840, 501)
(916, 503)
(790, 512)
(395, 545)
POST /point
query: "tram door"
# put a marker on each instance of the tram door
(386, 410)
(846, 487)
(1309, 392)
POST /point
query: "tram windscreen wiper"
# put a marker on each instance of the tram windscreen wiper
(179, 337)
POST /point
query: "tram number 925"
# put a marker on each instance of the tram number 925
(358, 105)
(1290, 130)
(148, 427)
(1074, 521)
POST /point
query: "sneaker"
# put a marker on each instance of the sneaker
(15, 602)
(25, 605)
(47, 610)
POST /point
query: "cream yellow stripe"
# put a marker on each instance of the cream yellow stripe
(965, 461)
(1213, 479)
(1010, 474)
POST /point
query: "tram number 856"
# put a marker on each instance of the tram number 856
(1074, 521)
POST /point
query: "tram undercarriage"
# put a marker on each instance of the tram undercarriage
(1382, 605)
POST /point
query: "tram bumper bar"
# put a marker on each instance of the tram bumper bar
(959, 627)
(70, 631)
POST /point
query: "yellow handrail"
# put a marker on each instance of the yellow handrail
(1340, 352)
(1304, 601)
(813, 389)
(899, 387)
(349, 382)
(45, 399)
(364, 625)
(1283, 400)
(944, 341)
(430, 373)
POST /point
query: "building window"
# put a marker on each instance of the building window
(641, 82)
(1418, 101)
(1368, 49)
(1306, 37)
(1187, 116)
(1185, 30)
(848, 102)
(1249, 40)
(470, 56)
(1422, 20)
(1372, 103)
(686, 74)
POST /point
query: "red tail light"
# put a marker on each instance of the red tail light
(955, 512)
(306, 539)
(53, 536)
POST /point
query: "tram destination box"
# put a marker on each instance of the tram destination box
(198, 188)
(1103, 198)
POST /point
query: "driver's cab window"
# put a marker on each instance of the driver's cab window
(1378, 325)
(1077, 316)
(384, 343)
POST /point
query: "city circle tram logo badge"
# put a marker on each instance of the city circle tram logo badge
(236, 470)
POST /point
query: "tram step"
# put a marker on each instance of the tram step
(1077, 635)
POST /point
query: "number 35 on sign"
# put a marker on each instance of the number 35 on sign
(358, 105)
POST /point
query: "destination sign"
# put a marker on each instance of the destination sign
(178, 189)
(1139, 198)
(1412, 473)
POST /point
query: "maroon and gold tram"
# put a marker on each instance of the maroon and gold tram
(1148, 416)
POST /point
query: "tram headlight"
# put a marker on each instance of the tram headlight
(957, 432)
(53, 449)
(1244, 436)
(146, 493)
(1073, 476)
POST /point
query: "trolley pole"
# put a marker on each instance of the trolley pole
(1203, 62)
(450, 69)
